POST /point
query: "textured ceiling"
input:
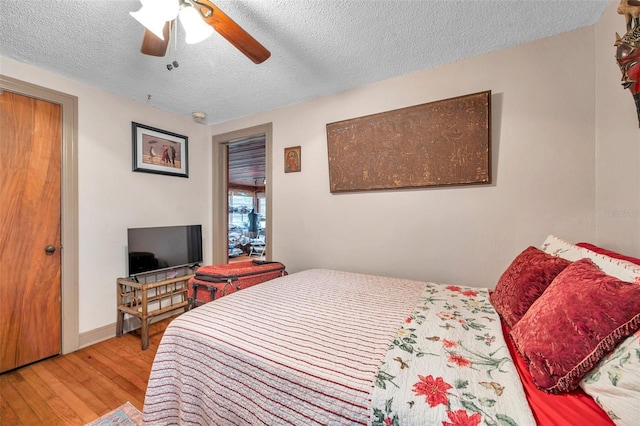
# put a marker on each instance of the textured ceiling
(317, 47)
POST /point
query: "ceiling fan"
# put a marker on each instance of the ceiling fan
(199, 19)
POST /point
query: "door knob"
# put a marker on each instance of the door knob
(50, 249)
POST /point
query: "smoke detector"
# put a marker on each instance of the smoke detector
(197, 115)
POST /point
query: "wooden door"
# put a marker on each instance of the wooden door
(30, 246)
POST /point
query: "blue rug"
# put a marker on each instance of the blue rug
(125, 415)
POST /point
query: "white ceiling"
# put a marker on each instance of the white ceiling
(318, 47)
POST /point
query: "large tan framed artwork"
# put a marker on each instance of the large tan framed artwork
(446, 142)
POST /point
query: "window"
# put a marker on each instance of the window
(240, 204)
(262, 210)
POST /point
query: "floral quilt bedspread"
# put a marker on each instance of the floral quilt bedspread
(449, 365)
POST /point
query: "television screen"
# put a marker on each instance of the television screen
(165, 247)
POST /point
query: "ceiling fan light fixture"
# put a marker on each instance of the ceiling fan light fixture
(154, 13)
(195, 28)
(148, 20)
(166, 9)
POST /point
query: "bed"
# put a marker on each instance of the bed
(340, 348)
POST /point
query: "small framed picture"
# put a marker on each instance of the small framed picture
(292, 159)
(159, 151)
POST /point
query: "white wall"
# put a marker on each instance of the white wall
(111, 197)
(543, 167)
(617, 145)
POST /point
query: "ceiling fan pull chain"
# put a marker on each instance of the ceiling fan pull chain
(175, 36)
(174, 64)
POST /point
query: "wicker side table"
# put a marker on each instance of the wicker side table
(148, 300)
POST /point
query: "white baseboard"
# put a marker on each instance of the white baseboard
(96, 335)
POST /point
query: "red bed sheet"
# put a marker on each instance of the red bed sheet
(568, 409)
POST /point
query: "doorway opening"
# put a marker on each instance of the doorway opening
(247, 201)
(241, 185)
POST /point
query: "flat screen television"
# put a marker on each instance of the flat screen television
(164, 247)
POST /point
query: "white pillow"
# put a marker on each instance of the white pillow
(560, 248)
(614, 383)
(621, 269)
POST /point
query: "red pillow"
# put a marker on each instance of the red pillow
(581, 316)
(523, 282)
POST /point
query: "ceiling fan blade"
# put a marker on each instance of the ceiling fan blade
(152, 45)
(233, 32)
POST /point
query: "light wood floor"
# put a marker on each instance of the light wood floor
(79, 387)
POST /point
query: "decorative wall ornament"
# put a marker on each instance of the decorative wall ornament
(159, 151)
(628, 49)
(446, 142)
(292, 159)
